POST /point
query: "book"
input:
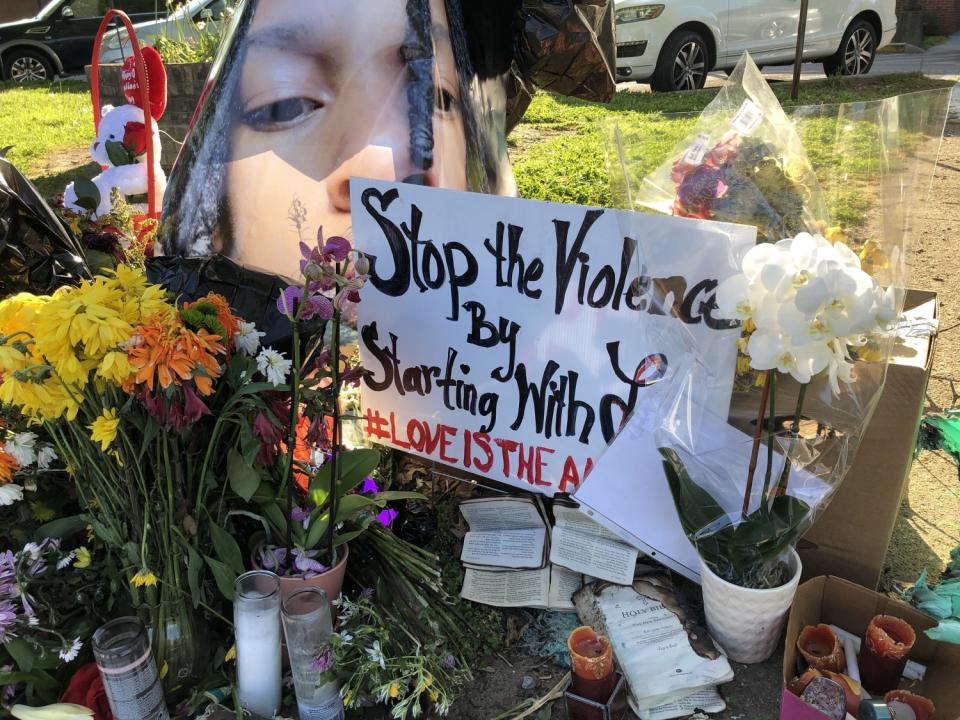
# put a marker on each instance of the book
(508, 533)
(579, 543)
(549, 588)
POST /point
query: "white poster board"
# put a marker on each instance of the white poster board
(509, 338)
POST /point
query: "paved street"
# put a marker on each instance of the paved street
(942, 61)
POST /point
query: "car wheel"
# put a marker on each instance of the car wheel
(858, 50)
(683, 63)
(21, 65)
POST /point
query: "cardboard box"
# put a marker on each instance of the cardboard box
(839, 602)
(851, 538)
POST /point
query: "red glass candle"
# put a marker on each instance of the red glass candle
(884, 653)
(821, 648)
(921, 707)
(591, 664)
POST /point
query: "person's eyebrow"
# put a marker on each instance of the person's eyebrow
(300, 40)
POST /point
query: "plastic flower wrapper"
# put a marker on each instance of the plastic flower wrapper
(39, 254)
(748, 485)
(742, 162)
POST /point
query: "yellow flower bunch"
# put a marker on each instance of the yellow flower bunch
(53, 347)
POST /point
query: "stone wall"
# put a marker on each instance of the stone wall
(184, 84)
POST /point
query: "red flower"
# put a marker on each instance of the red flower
(86, 689)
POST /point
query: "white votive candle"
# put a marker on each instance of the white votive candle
(256, 619)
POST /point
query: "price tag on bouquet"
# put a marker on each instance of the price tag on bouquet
(698, 150)
(748, 118)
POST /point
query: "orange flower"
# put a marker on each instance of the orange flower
(169, 355)
(8, 466)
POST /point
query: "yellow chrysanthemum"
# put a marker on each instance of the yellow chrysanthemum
(347, 698)
(428, 680)
(743, 365)
(394, 689)
(104, 429)
(144, 578)
(83, 558)
(434, 696)
(231, 653)
(115, 367)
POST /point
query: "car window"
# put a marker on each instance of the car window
(89, 8)
(151, 7)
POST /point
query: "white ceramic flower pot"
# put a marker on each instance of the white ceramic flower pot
(747, 623)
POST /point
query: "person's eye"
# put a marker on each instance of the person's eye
(281, 114)
(447, 102)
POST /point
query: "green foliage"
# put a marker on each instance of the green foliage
(88, 194)
(743, 551)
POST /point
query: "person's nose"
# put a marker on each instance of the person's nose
(372, 161)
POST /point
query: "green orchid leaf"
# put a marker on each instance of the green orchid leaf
(276, 517)
(343, 538)
(316, 532)
(392, 495)
(353, 467)
(696, 507)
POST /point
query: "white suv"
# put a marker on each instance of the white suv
(674, 44)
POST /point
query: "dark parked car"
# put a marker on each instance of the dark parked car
(59, 40)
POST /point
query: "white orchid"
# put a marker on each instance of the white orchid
(810, 302)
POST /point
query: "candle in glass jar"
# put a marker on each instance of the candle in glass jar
(256, 620)
(884, 653)
(591, 664)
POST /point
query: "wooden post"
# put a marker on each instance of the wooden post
(798, 57)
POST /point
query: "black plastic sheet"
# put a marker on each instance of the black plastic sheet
(565, 47)
(252, 294)
(38, 253)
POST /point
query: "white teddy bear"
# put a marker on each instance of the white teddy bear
(121, 144)
(123, 126)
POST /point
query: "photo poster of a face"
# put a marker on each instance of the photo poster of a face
(304, 95)
(511, 338)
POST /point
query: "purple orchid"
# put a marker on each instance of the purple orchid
(315, 306)
(305, 563)
(336, 249)
(369, 486)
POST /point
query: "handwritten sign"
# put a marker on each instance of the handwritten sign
(511, 338)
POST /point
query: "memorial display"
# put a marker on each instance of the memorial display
(349, 411)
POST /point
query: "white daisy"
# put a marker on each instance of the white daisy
(247, 338)
(23, 448)
(69, 654)
(33, 620)
(45, 457)
(66, 560)
(274, 366)
(31, 549)
(9, 494)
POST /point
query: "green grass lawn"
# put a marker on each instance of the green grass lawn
(563, 148)
(40, 120)
(559, 151)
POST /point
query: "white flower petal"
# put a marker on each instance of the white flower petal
(763, 349)
(9, 494)
(759, 256)
(733, 298)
